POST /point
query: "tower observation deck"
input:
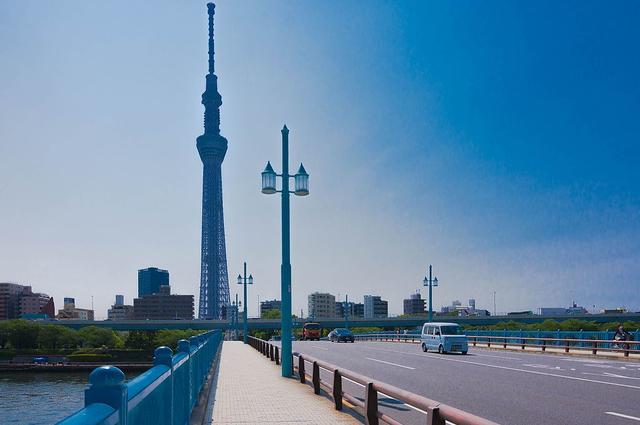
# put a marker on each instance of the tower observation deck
(212, 147)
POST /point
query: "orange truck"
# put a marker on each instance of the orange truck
(311, 331)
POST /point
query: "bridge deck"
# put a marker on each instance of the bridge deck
(250, 390)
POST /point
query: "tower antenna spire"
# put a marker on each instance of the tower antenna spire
(211, 8)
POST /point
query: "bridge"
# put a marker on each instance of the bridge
(387, 322)
(488, 385)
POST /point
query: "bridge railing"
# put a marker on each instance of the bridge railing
(163, 395)
(437, 413)
(524, 342)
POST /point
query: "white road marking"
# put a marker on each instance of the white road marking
(614, 375)
(319, 348)
(623, 416)
(534, 372)
(543, 366)
(497, 357)
(389, 363)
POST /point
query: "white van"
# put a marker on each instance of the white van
(443, 337)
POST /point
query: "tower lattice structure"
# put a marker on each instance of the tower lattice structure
(212, 147)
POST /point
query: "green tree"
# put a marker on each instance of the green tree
(170, 338)
(141, 340)
(271, 314)
(54, 337)
(93, 336)
(23, 334)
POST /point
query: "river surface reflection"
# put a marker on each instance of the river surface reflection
(41, 398)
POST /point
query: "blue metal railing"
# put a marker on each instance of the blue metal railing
(163, 395)
(516, 335)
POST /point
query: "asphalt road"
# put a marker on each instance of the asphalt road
(506, 387)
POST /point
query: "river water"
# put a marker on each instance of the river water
(40, 398)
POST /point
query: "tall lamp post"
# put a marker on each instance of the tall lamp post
(430, 282)
(246, 281)
(345, 309)
(301, 188)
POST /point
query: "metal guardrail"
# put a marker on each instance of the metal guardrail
(593, 345)
(437, 413)
(163, 395)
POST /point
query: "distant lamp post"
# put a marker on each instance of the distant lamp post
(244, 280)
(234, 316)
(345, 309)
(301, 188)
(430, 282)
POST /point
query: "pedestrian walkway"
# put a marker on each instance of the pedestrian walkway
(250, 390)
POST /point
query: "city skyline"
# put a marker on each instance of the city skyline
(506, 176)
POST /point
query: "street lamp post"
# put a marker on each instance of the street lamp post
(345, 308)
(301, 188)
(432, 281)
(246, 281)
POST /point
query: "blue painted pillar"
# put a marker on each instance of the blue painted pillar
(106, 385)
(285, 269)
(163, 356)
(184, 347)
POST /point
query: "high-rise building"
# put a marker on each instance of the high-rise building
(415, 304)
(36, 303)
(120, 311)
(375, 307)
(150, 280)
(212, 147)
(163, 306)
(269, 305)
(472, 303)
(17, 300)
(321, 306)
(70, 311)
(358, 310)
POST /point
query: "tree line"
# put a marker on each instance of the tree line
(29, 335)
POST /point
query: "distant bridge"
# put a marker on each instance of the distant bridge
(388, 322)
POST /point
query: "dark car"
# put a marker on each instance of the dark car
(341, 335)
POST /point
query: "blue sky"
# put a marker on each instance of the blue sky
(496, 140)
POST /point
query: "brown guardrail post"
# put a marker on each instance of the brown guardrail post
(488, 341)
(337, 389)
(271, 352)
(523, 344)
(626, 349)
(544, 344)
(433, 416)
(371, 405)
(475, 340)
(301, 371)
(316, 378)
(595, 348)
(277, 356)
(566, 348)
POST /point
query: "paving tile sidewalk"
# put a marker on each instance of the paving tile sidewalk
(250, 390)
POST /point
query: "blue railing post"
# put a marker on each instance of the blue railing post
(106, 385)
(164, 356)
(184, 347)
(195, 355)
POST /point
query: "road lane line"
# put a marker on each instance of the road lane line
(319, 348)
(497, 357)
(623, 416)
(389, 363)
(534, 372)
